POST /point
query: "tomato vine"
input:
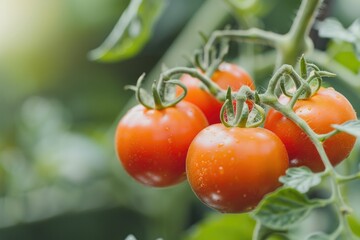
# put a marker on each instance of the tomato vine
(287, 206)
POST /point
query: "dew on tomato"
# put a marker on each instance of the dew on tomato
(325, 108)
(231, 169)
(152, 144)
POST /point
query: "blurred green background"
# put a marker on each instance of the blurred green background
(59, 176)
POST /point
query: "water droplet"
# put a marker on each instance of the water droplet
(294, 162)
(215, 197)
(169, 140)
(221, 170)
(220, 144)
(244, 195)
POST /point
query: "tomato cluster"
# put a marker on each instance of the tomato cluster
(230, 169)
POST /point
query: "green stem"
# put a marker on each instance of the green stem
(289, 46)
(297, 41)
(345, 179)
(224, 49)
(282, 71)
(304, 20)
(340, 207)
(296, 96)
(323, 137)
(253, 35)
(158, 105)
(288, 112)
(212, 87)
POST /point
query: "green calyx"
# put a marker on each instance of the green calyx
(241, 115)
(163, 93)
(208, 59)
(308, 83)
(297, 86)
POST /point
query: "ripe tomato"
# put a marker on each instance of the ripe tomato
(231, 169)
(227, 75)
(152, 144)
(325, 108)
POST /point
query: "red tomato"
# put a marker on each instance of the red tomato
(152, 144)
(227, 75)
(325, 108)
(231, 169)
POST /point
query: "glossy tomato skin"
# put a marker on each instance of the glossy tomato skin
(227, 75)
(152, 144)
(231, 169)
(325, 108)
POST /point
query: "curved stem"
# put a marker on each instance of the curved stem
(296, 96)
(253, 35)
(345, 179)
(270, 92)
(240, 116)
(212, 87)
(158, 104)
(139, 92)
(289, 46)
(287, 112)
(283, 70)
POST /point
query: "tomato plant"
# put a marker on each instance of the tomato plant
(231, 169)
(323, 109)
(227, 75)
(235, 166)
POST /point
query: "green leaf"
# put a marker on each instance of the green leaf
(300, 178)
(354, 224)
(224, 227)
(318, 236)
(344, 54)
(131, 32)
(351, 127)
(264, 233)
(284, 208)
(355, 30)
(332, 28)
